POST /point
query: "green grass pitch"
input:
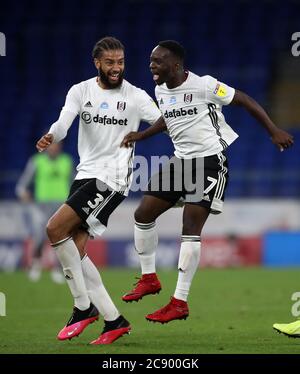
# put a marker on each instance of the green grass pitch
(231, 311)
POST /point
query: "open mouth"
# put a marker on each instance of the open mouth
(114, 77)
(155, 77)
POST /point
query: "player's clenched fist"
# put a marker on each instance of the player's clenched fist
(130, 138)
(44, 142)
(282, 139)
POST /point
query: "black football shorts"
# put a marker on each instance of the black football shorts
(210, 174)
(94, 202)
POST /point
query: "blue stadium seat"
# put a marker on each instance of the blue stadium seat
(237, 43)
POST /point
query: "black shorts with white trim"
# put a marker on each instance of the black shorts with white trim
(94, 202)
(214, 179)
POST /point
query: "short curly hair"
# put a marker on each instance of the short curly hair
(107, 43)
(175, 47)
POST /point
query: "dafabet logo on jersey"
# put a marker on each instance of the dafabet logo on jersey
(180, 112)
(220, 90)
(105, 120)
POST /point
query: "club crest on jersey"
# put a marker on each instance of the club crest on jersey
(188, 98)
(173, 100)
(104, 105)
(121, 106)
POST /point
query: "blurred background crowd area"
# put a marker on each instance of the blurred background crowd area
(246, 44)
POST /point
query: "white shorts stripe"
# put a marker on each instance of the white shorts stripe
(102, 205)
(222, 178)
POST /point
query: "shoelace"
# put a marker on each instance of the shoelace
(171, 305)
(139, 281)
(165, 309)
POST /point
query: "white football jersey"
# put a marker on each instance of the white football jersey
(106, 116)
(193, 115)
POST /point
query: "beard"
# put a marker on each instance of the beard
(105, 79)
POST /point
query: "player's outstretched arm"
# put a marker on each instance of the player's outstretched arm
(280, 138)
(44, 142)
(57, 131)
(134, 136)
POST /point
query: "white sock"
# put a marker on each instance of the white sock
(187, 265)
(97, 292)
(69, 258)
(146, 240)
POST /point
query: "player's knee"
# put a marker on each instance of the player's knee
(55, 231)
(142, 215)
(51, 230)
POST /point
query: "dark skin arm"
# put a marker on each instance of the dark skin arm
(279, 137)
(134, 136)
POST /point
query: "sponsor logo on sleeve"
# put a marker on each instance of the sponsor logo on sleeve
(220, 90)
